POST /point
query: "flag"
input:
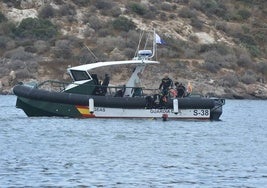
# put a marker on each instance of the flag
(158, 39)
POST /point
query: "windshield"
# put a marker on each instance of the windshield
(79, 75)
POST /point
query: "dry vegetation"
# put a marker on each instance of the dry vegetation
(111, 29)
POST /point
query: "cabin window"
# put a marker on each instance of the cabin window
(79, 75)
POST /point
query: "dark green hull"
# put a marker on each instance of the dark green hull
(45, 108)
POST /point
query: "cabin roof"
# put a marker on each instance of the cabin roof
(109, 63)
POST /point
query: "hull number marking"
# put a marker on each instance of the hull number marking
(202, 112)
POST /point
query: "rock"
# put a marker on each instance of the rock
(27, 4)
(18, 15)
(4, 81)
(12, 75)
(204, 38)
(15, 64)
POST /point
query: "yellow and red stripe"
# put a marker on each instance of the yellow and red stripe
(84, 111)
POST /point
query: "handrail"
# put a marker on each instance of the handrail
(53, 85)
(61, 86)
(51, 82)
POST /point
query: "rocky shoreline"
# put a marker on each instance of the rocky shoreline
(213, 58)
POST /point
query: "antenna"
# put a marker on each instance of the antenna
(91, 52)
(146, 54)
(139, 42)
(154, 43)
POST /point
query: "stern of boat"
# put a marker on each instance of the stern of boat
(217, 110)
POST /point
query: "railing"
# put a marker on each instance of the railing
(119, 91)
(53, 85)
(59, 86)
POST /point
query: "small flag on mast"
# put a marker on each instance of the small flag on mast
(158, 39)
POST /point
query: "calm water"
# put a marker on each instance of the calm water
(62, 152)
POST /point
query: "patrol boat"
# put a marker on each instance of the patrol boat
(86, 97)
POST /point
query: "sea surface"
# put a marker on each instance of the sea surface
(63, 152)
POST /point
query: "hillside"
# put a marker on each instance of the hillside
(219, 46)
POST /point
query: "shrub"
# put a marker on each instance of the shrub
(186, 12)
(63, 49)
(175, 46)
(60, 2)
(209, 7)
(151, 12)
(2, 17)
(211, 67)
(96, 23)
(104, 32)
(244, 14)
(129, 52)
(221, 26)
(82, 2)
(35, 28)
(115, 11)
(229, 80)
(219, 47)
(163, 16)
(220, 61)
(262, 68)
(107, 44)
(189, 53)
(15, 64)
(195, 4)
(248, 78)
(13, 3)
(47, 12)
(172, 16)
(7, 28)
(184, 1)
(166, 6)
(249, 42)
(138, 8)
(88, 32)
(244, 61)
(132, 38)
(247, 1)
(104, 4)
(86, 57)
(23, 74)
(123, 23)
(261, 37)
(195, 22)
(3, 42)
(66, 10)
(233, 29)
(41, 46)
(30, 49)
(19, 54)
(254, 50)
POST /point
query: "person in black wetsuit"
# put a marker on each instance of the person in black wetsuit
(96, 84)
(180, 89)
(105, 84)
(165, 85)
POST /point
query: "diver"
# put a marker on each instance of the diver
(165, 85)
(105, 84)
(181, 90)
